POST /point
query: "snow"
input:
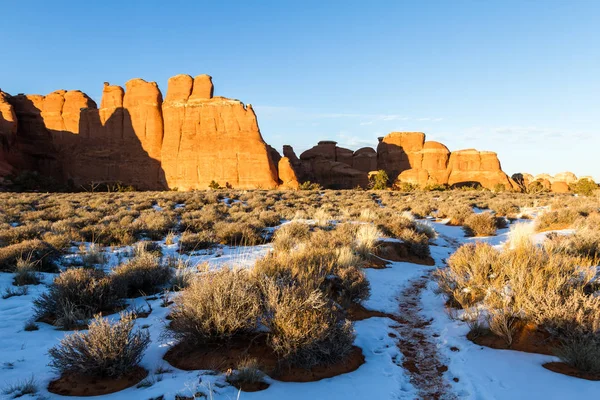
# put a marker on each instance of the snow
(483, 373)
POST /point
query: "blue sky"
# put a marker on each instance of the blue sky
(521, 78)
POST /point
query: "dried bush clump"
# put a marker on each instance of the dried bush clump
(78, 294)
(217, 306)
(143, 274)
(105, 350)
(483, 224)
(306, 329)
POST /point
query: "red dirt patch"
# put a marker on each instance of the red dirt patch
(398, 251)
(527, 338)
(566, 369)
(81, 385)
(229, 355)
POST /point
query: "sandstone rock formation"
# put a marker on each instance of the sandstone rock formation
(559, 183)
(287, 174)
(187, 141)
(400, 151)
(472, 166)
(332, 166)
(8, 131)
(210, 138)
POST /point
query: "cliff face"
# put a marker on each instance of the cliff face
(210, 138)
(187, 141)
(8, 131)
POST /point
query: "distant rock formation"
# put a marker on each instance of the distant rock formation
(472, 166)
(559, 183)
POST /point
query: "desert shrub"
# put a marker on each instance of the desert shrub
(288, 235)
(145, 246)
(78, 294)
(190, 242)
(379, 180)
(457, 213)
(60, 241)
(504, 208)
(247, 372)
(471, 270)
(305, 328)
(26, 273)
(418, 243)
(350, 285)
(557, 219)
(581, 352)
(154, 224)
(483, 224)
(308, 185)
(143, 274)
(584, 187)
(395, 225)
(367, 236)
(106, 349)
(421, 209)
(269, 218)
(217, 306)
(36, 251)
(238, 233)
(92, 256)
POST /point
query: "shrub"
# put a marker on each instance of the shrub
(143, 274)
(190, 242)
(216, 306)
(457, 213)
(78, 294)
(367, 236)
(584, 187)
(36, 251)
(418, 243)
(238, 234)
(379, 180)
(557, 219)
(483, 224)
(581, 352)
(22, 388)
(308, 185)
(306, 329)
(290, 234)
(26, 273)
(106, 349)
(247, 373)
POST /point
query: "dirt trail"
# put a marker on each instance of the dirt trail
(421, 358)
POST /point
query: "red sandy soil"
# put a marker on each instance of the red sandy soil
(527, 338)
(81, 385)
(566, 369)
(229, 355)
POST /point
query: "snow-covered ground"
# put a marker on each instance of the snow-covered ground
(482, 373)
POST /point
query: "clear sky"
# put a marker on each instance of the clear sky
(521, 78)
